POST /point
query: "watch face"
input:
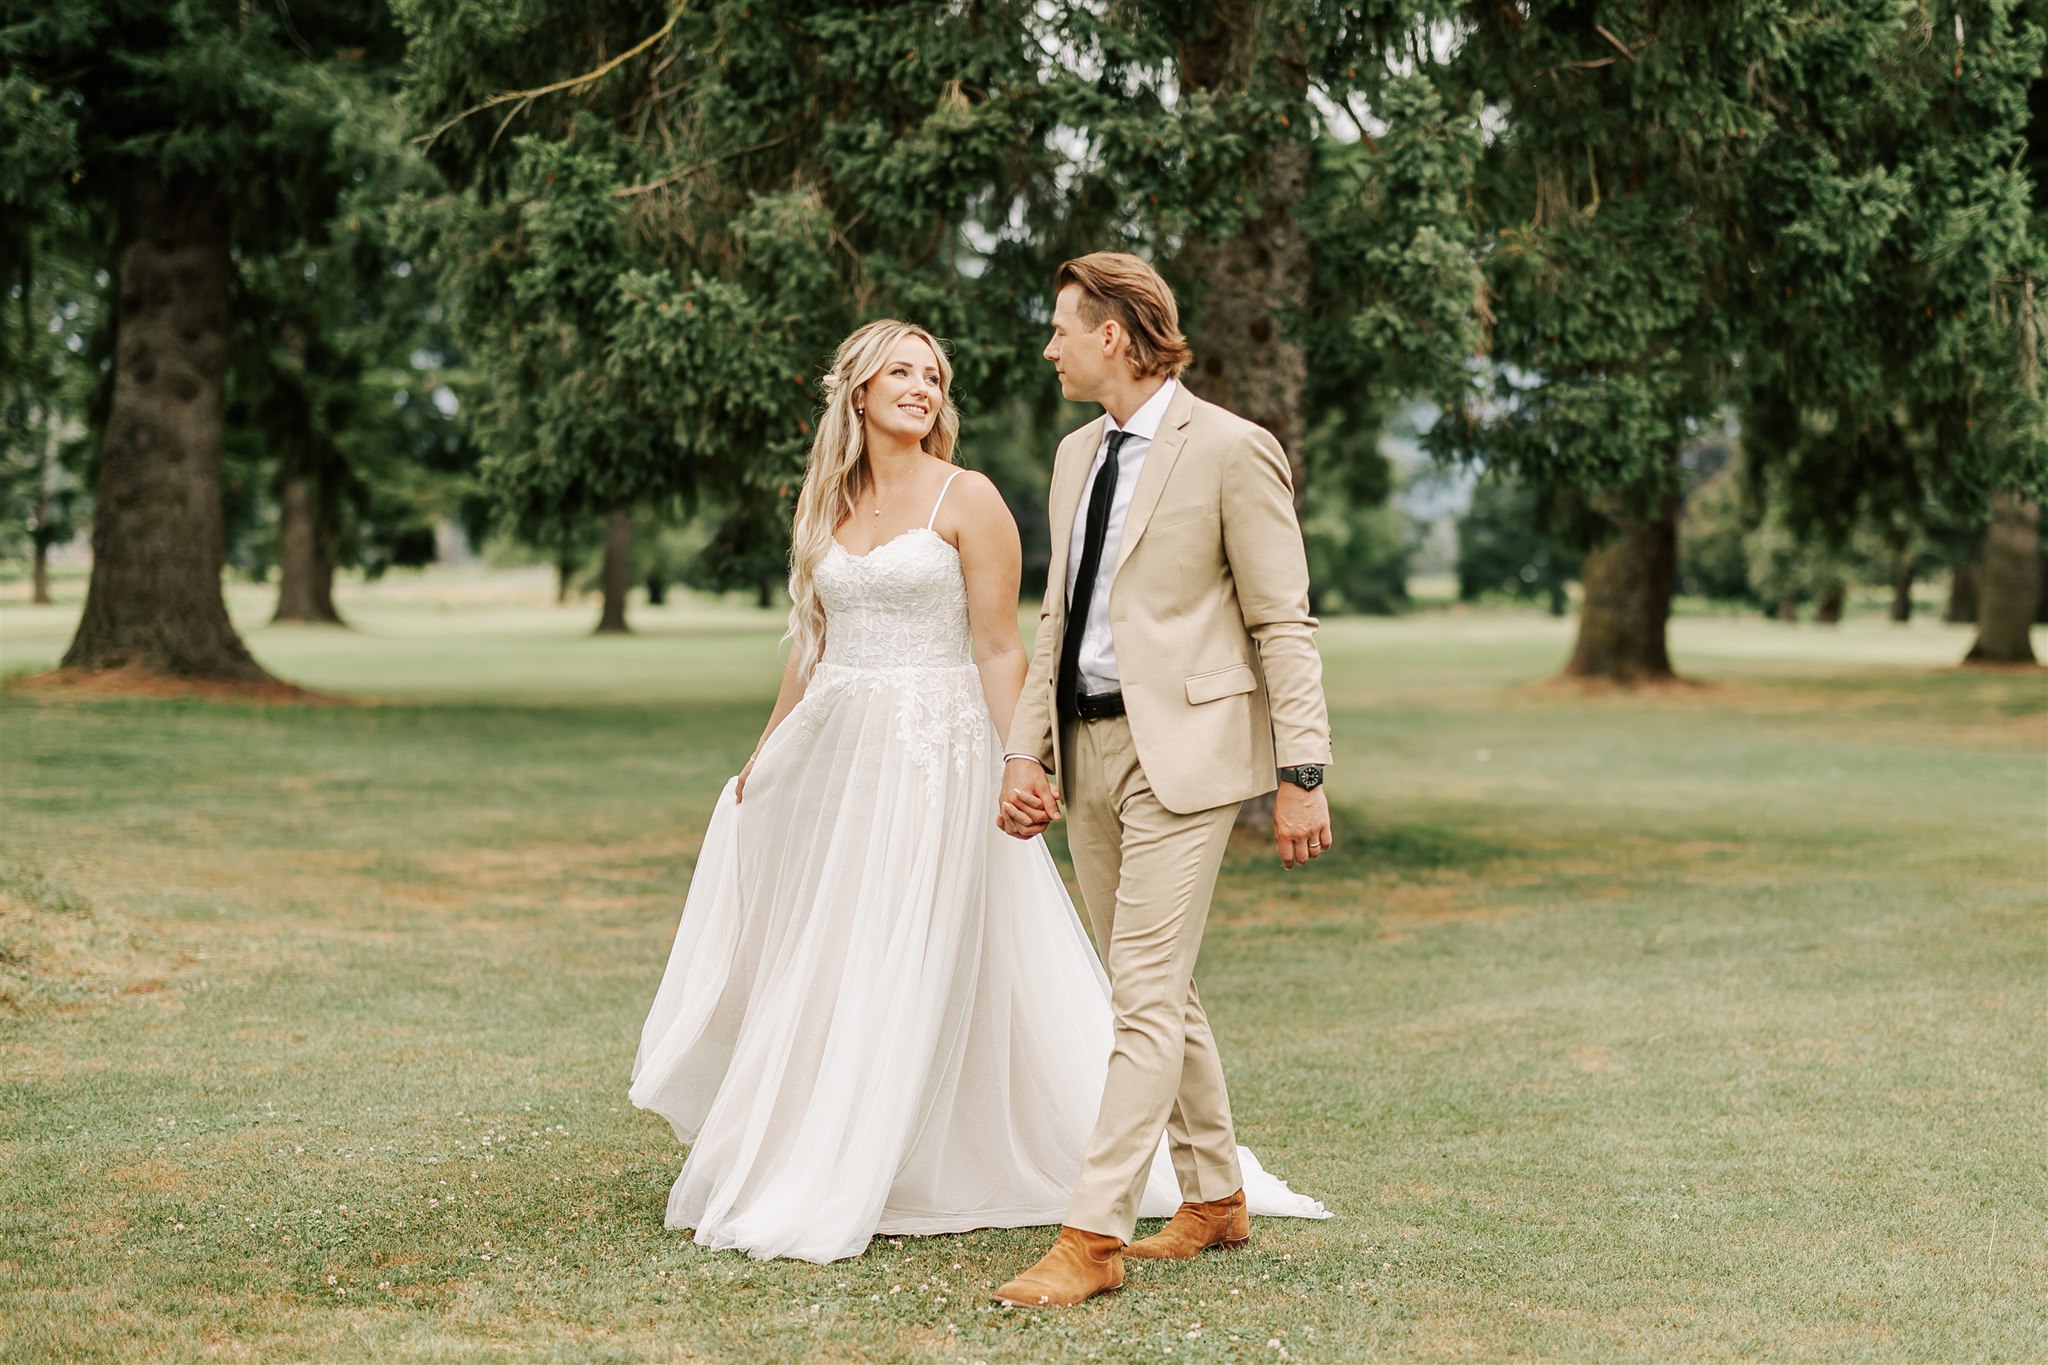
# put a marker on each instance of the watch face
(1311, 776)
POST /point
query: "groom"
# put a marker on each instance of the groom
(1175, 677)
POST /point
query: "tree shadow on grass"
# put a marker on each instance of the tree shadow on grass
(1380, 847)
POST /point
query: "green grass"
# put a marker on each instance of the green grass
(1708, 1024)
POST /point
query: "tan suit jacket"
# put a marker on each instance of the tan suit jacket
(1208, 611)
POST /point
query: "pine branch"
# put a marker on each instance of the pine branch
(528, 96)
(1624, 48)
(682, 172)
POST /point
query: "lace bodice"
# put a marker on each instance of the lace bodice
(901, 605)
(896, 629)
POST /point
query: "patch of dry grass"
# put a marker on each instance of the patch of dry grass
(61, 951)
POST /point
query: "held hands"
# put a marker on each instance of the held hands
(1301, 824)
(1028, 803)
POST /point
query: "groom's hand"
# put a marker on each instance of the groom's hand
(1301, 824)
(1028, 804)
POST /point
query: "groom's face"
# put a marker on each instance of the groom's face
(1080, 353)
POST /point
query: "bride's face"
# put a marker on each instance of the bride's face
(902, 401)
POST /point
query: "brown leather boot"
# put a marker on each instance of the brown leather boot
(1080, 1265)
(1195, 1228)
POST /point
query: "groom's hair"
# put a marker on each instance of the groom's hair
(1117, 285)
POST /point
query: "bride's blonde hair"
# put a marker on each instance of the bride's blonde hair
(838, 473)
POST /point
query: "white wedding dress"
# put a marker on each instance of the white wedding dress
(881, 1014)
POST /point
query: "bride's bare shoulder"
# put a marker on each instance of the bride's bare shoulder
(977, 493)
(974, 507)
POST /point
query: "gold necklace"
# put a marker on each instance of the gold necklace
(899, 487)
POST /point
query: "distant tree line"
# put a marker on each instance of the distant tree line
(1737, 547)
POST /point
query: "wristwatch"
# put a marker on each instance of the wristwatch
(1307, 776)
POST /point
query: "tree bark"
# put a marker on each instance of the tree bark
(2011, 585)
(618, 571)
(1828, 611)
(154, 602)
(1962, 595)
(1787, 610)
(1245, 288)
(1628, 585)
(305, 552)
(1902, 589)
(657, 590)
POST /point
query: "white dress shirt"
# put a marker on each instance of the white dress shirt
(1098, 673)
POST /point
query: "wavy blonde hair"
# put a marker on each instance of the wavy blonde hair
(1116, 284)
(838, 472)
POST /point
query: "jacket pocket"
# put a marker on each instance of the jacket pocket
(1175, 516)
(1219, 683)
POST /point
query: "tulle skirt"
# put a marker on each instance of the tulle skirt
(881, 1014)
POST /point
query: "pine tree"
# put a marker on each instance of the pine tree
(1896, 291)
(658, 256)
(200, 130)
(1690, 204)
(339, 383)
(1320, 265)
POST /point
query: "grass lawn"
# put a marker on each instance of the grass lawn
(1709, 1024)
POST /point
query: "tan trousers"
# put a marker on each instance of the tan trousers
(1147, 875)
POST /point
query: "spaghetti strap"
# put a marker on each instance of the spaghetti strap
(932, 520)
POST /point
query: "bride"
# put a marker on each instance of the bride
(881, 1014)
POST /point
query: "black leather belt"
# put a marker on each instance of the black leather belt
(1099, 707)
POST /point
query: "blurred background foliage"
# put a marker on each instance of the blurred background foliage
(1589, 305)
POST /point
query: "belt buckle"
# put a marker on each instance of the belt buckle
(1100, 707)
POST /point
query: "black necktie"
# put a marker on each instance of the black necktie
(1100, 496)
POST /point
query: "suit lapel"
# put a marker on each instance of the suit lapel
(1069, 482)
(1165, 449)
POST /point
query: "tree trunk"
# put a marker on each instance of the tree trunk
(565, 573)
(1628, 601)
(1902, 589)
(618, 571)
(2012, 583)
(305, 551)
(1244, 288)
(1828, 611)
(1962, 595)
(39, 531)
(39, 571)
(1787, 610)
(306, 530)
(657, 590)
(154, 601)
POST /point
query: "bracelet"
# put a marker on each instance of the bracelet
(1033, 757)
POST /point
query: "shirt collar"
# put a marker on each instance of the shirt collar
(1144, 423)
